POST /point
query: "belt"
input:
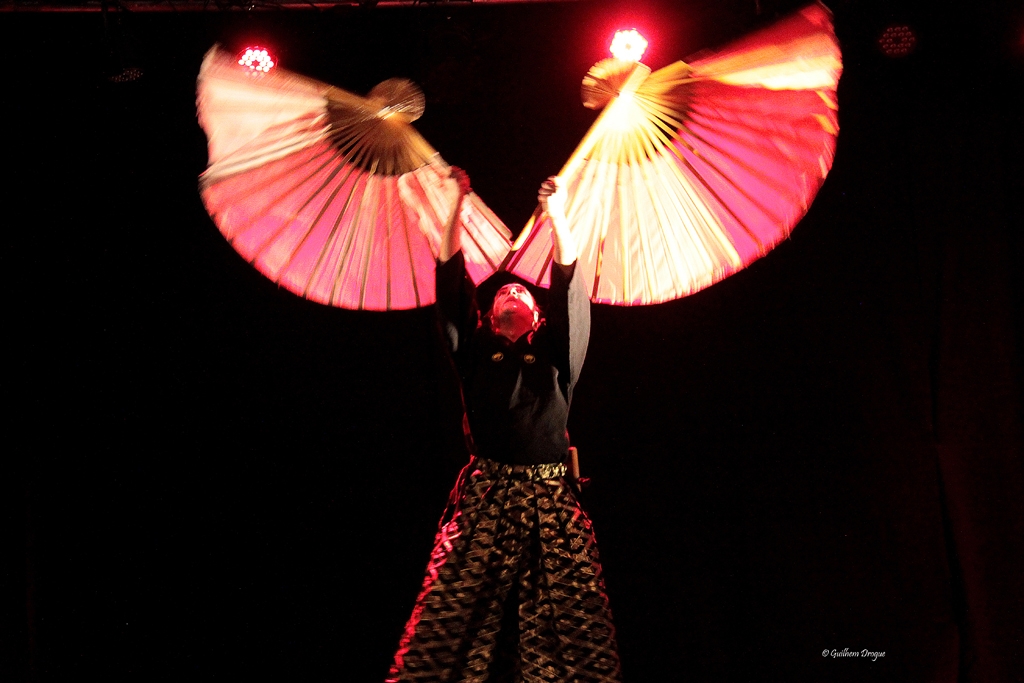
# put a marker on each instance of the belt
(546, 470)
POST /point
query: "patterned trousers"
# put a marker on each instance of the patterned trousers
(513, 591)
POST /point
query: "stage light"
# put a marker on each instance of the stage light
(897, 41)
(628, 45)
(256, 59)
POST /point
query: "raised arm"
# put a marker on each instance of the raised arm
(568, 313)
(455, 300)
(451, 238)
(552, 200)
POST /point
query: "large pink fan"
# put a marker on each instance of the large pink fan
(694, 171)
(333, 196)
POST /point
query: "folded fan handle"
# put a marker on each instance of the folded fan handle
(573, 461)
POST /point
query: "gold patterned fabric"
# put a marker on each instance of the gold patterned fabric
(517, 539)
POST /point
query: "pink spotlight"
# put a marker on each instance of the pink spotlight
(256, 59)
(897, 41)
(628, 45)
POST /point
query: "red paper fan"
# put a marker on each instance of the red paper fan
(334, 196)
(694, 171)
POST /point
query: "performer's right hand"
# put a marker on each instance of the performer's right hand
(451, 236)
(462, 178)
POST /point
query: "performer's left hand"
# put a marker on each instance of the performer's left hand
(552, 198)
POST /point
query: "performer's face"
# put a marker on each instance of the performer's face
(515, 301)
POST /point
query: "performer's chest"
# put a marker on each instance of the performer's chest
(509, 376)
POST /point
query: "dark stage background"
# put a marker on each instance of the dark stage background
(211, 479)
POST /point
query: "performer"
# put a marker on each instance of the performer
(513, 590)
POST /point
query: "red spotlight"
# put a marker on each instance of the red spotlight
(628, 45)
(897, 41)
(256, 59)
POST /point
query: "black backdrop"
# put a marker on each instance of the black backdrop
(215, 480)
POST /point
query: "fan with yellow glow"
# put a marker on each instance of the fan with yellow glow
(694, 171)
(688, 175)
